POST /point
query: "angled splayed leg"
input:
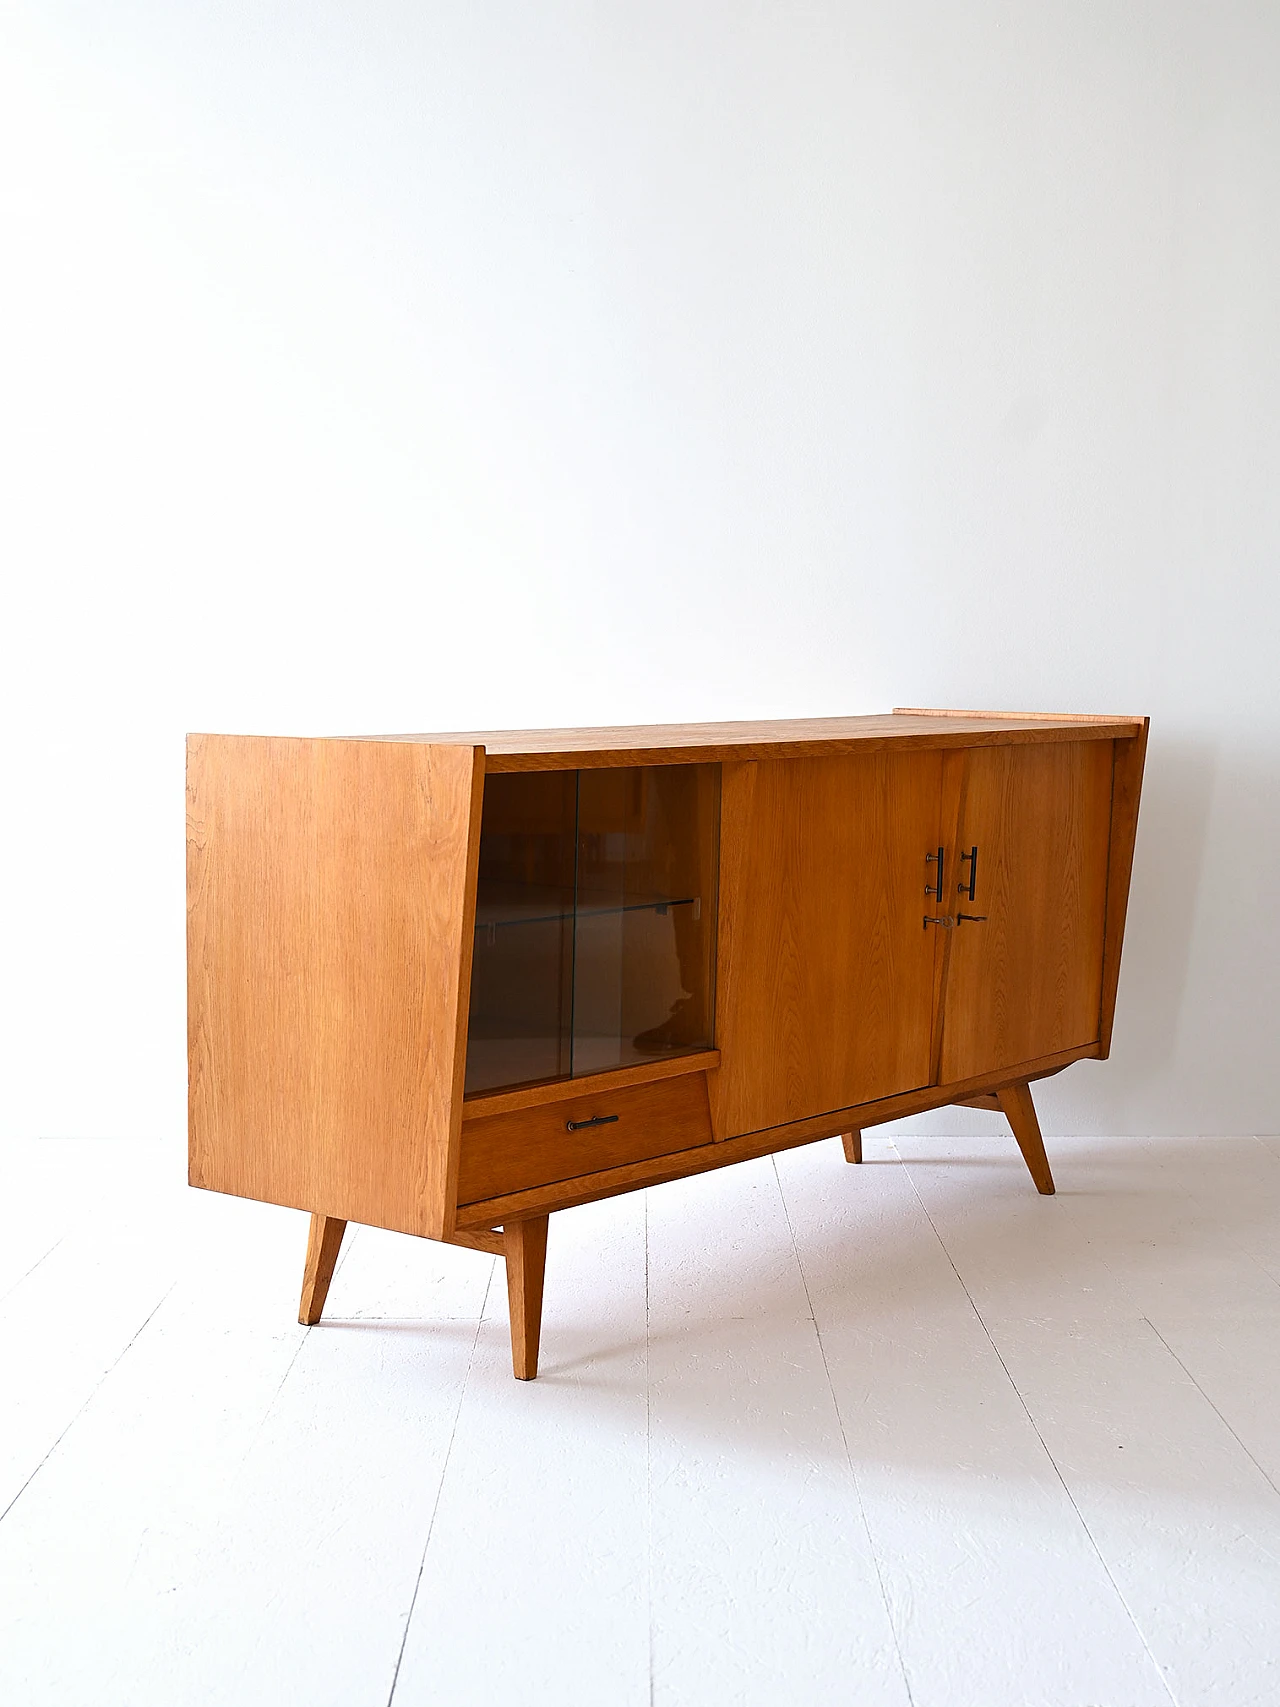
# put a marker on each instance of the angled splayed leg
(1019, 1110)
(524, 1245)
(323, 1244)
(852, 1142)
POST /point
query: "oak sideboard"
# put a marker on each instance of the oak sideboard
(448, 984)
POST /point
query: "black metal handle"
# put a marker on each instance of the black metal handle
(928, 860)
(969, 890)
(971, 918)
(596, 1120)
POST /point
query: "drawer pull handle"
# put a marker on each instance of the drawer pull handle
(596, 1120)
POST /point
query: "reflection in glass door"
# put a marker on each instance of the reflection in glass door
(645, 914)
(595, 921)
(522, 963)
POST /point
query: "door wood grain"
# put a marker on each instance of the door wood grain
(1024, 976)
(825, 969)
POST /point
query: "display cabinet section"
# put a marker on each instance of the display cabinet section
(595, 922)
(520, 1016)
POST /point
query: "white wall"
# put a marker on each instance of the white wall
(379, 366)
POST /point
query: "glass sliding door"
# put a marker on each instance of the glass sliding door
(595, 921)
(522, 964)
(645, 914)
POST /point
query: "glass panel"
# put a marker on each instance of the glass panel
(522, 967)
(595, 921)
(645, 938)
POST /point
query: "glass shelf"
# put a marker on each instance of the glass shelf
(595, 921)
(500, 915)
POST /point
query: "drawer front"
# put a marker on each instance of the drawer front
(503, 1153)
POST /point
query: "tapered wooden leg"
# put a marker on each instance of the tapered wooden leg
(323, 1244)
(852, 1142)
(524, 1245)
(1019, 1110)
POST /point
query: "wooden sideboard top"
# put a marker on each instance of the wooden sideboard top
(789, 738)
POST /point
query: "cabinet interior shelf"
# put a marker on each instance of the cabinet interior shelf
(499, 915)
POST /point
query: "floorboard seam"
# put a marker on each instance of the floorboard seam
(35, 1265)
(1044, 1446)
(848, 1453)
(270, 1406)
(89, 1397)
(1208, 1401)
(444, 1471)
(308, 1328)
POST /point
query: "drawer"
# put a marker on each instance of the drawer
(529, 1147)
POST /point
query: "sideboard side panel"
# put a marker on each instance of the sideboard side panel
(1126, 788)
(330, 906)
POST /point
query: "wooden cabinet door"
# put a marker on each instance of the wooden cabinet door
(824, 968)
(1025, 978)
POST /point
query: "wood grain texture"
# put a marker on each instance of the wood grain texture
(525, 1250)
(852, 1142)
(556, 1090)
(785, 738)
(1126, 789)
(825, 977)
(1056, 717)
(1025, 980)
(531, 1147)
(488, 1241)
(655, 1171)
(324, 1241)
(331, 891)
(1020, 1111)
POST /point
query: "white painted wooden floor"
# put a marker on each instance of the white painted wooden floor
(903, 1433)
